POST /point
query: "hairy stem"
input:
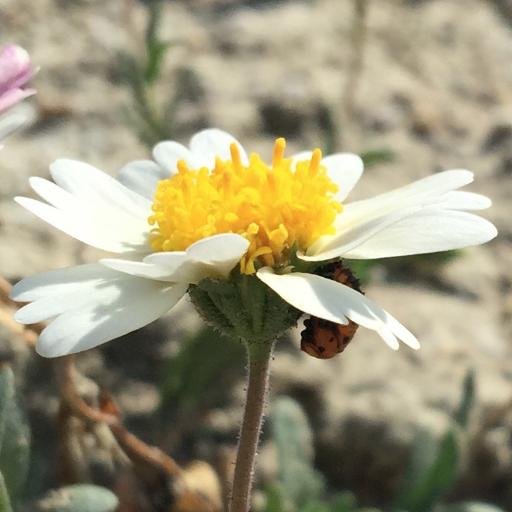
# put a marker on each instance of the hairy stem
(259, 356)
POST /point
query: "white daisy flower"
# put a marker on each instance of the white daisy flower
(202, 211)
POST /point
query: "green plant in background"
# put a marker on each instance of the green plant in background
(77, 498)
(14, 443)
(429, 479)
(299, 487)
(198, 376)
(15, 460)
(297, 479)
(434, 466)
(373, 157)
(151, 123)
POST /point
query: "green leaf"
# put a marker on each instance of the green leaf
(431, 485)
(315, 506)
(472, 506)
(273, 500)
(202, 370)
(5, 502)
(467, 400)
(6, 395)
(78, 498)
(345, 502)
(15, 449)
(156, 53)
(299, 482)
(377, 156)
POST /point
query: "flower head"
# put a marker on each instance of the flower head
(275, 207)
(16, 70)
(212, 220)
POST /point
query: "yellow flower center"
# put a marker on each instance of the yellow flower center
(277, 207)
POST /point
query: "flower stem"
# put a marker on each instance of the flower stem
(259, 356)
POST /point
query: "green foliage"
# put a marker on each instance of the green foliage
(298, 480)
(152, 123)
(377, 156)
(467, 400)
(5, 501)
(469, 507)
(78, 498)
(433, 468)
(299, 486)
(342, 502)
(155, 48)
(202, 370)
(426, 485)
(15, 437)
(429, 478)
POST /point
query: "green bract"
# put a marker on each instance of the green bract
(243, 307)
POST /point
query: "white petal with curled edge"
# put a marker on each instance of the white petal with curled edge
(335, 302)
(344, 169)
(181, 268)
(214, 256)
(223, 251)
(137, 268)
(115, 308)
(170, 260)
(168, 153)
(212, 143)
(429, 230)
(142, 176)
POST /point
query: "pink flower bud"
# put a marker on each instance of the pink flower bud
(15, 71)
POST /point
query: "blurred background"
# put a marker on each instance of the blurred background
(415, 87)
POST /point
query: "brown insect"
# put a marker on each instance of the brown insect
(323, 339)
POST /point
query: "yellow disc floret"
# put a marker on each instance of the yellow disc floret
(276, 207)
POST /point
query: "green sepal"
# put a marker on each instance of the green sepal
(243, 307)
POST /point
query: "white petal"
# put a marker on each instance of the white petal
(335, 302)
(223, 251)
(61, 281)
(395, 204)
(214, 256)
(458, 200)
(11, 122)
(54, 194)
(423, 192)
(429, 230)
(142, 177)
(345, 169)
(93, 227)
(212, 143)
(137, 268)
(170, 260)
(92, 185)
(356, 234)
(115, 308)
(168, 153)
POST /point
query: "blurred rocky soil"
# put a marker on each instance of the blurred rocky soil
(435, 88)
